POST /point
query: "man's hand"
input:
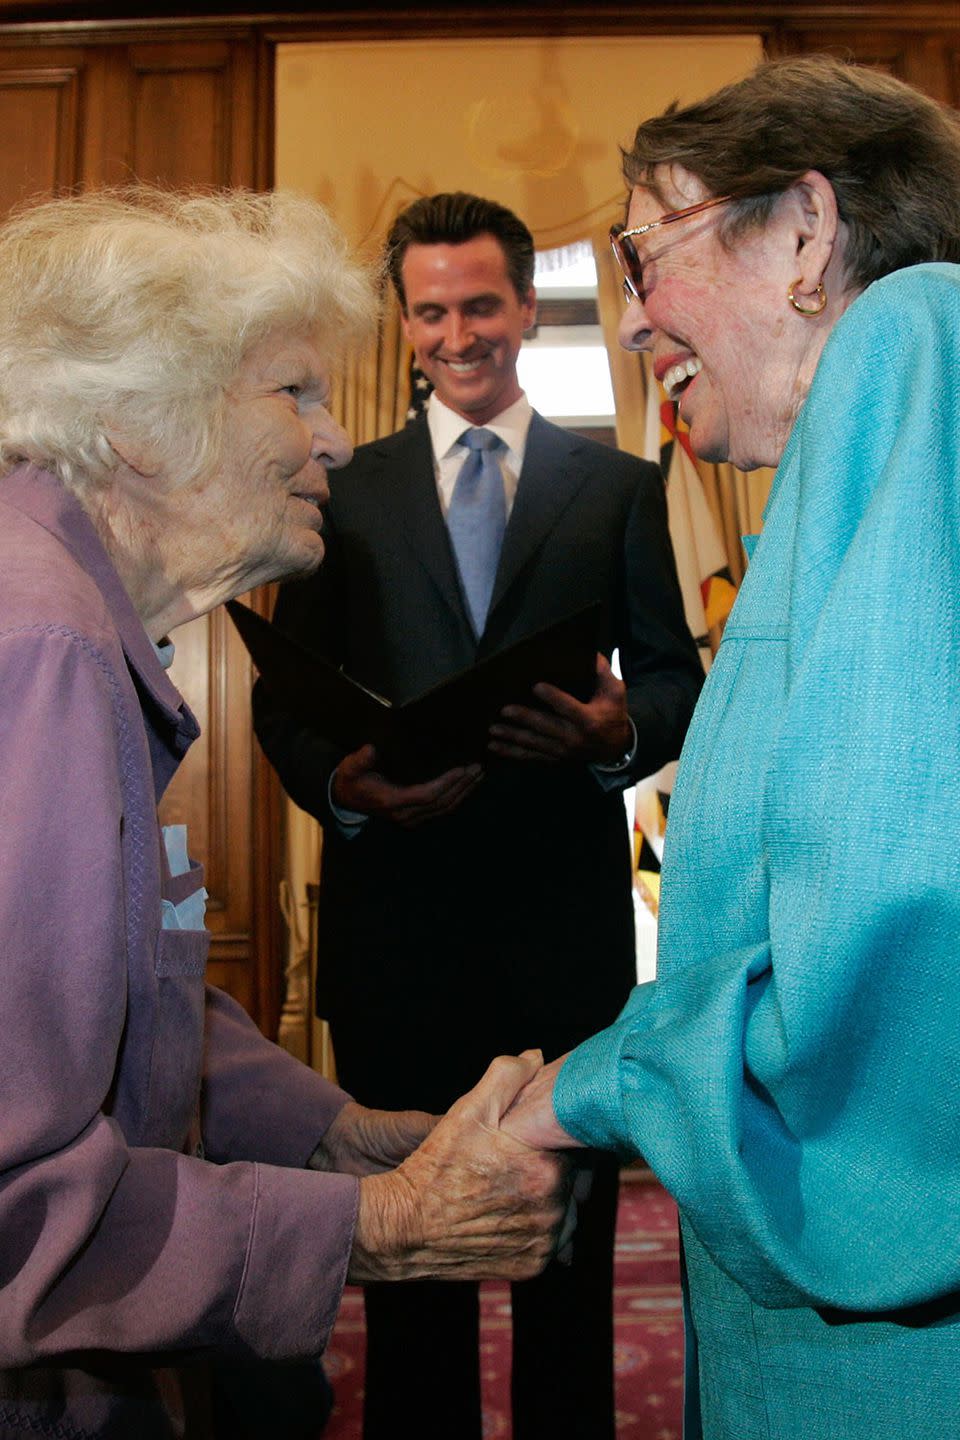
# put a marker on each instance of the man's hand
(471, 1203)
(566, 728)
(531, 1117)
(366, 1142)
(358, 785)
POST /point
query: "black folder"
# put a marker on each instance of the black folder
(446, 726)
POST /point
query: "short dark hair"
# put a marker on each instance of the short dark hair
(452, 219)
(891, 154)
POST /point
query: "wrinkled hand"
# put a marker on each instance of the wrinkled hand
(471, 1203)
(567, 728)
(359, 785)
(359, 1141)
(531, 1117)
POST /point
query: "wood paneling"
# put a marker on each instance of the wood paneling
(192, 112)
(927, 61)
(39, 121)
(214, 794)
(177, 118)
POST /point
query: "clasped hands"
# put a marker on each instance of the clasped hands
(471, 1196)
(559, 728)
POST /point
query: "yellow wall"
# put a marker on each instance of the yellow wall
(534, 123)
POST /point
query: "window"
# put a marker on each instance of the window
(563, 363)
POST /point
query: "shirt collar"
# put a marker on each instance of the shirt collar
(446, 426)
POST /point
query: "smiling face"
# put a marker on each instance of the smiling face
(279, 441)
(718, 325)
(465, 322)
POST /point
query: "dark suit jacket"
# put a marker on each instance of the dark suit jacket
(508, 923)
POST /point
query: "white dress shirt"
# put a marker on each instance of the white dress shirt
(446, 427)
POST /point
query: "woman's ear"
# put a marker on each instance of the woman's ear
(815, 223)
(131, 452)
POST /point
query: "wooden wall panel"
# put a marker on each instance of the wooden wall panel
(927, 61)
(192, 112)
(213, 794)
(178, 134)
(39, 122)
(951, 60)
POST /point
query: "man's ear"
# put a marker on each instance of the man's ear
(528, 307)
(815, 224)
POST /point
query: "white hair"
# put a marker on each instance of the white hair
(132, 309)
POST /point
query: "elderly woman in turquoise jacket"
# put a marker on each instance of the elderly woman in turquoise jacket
(793, 1073)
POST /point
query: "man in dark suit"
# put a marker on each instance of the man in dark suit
(488, 909)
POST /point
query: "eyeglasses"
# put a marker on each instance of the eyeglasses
(625, 251)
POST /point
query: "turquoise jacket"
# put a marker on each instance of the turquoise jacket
(793, 1074)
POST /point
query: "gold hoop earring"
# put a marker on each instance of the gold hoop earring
(820, 296)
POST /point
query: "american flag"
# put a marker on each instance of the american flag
(420, 392)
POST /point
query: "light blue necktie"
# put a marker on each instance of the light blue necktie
(476, 521)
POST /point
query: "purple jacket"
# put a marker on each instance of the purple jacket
(115, 1244)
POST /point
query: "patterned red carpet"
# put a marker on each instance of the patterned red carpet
(648, 1328)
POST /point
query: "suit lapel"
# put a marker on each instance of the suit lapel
(407, 489)
(403, 476)
(551, 476)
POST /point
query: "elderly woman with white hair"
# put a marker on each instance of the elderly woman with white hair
(165, 438)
